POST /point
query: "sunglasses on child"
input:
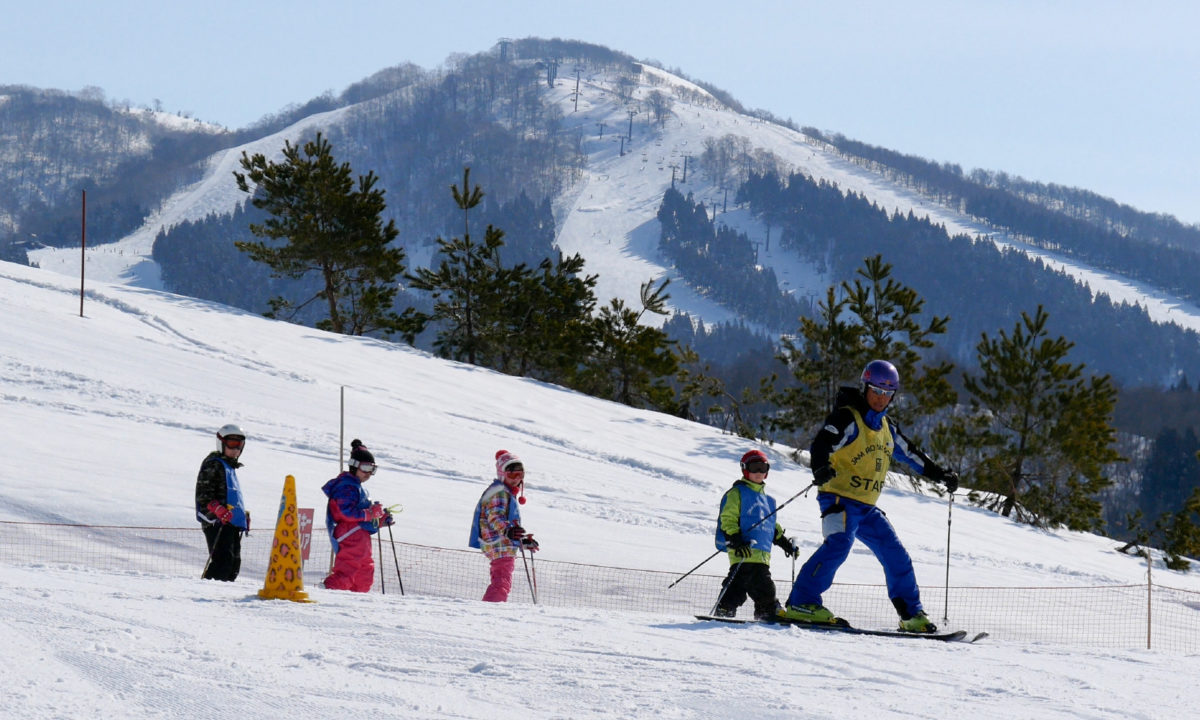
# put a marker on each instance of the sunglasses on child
(757, 467)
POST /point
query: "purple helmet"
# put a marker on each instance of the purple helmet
(881, 374)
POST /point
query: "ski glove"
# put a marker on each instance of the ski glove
(221, 512)
(529, 543)
(787, 545)
(514, 532)
(823, 475)
(387, 520)
(948, 477)
(739, 545)
(375, 512)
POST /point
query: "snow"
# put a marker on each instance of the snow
(107, 417)
(179, 121)
(608, 216)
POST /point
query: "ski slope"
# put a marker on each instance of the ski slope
(107, 417)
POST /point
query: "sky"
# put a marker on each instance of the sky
(1099, 94)
(112, 621)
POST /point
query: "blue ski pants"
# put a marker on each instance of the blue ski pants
(842, 521)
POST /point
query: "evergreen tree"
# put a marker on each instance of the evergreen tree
(630, 361)
(888, 313)
(522, 321)
(1040, 431)
(469, 288)
(875, 317)
(548, 319)
(695, 380)
(819, 359)
(1170, 472)
(1181, 533)
(322, 223)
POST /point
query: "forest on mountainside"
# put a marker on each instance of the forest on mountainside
(55, 145)
(980, 286)
(1153, 248)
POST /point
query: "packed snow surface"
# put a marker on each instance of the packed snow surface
(108, 415)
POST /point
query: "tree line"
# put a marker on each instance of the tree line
(1151, 247)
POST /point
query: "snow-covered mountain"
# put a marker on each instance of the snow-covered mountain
(108, 414)
(608, 215)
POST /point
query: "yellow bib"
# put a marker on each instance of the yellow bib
(862, 465)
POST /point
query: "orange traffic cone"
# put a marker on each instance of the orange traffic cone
(285, 577)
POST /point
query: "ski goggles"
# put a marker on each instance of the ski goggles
(881, 391)
(514, 469)
(758, 467)
(233, 441)
(367, 468)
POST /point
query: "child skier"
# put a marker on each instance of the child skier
(352, 519)
(747, 529)
(497, 524)
(220, 507)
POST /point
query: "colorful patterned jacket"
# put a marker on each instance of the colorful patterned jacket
(496, 511)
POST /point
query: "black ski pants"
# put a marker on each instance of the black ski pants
(224, 551)
(753, 579)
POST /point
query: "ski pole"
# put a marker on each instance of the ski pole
(946, 605)
(379, 537)
(533, 571)
(211, 550)
(392, 540)
(760, 522)
(528, 577)
(725, 588)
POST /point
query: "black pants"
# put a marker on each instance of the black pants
(753, 579)
(225, 551)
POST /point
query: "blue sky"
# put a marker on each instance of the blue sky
(1100, 94)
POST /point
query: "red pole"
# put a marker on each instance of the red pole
(82, 251)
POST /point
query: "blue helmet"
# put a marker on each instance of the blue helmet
(881, 374)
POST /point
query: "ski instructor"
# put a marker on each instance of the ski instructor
(850, 457)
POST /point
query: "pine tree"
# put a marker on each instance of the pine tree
(1041, 432)
(875, 317)
(630, 362)
(547, 321)
(891, 330)
(469, 288)
(825, 354)
(1181, 533)
(322, 223)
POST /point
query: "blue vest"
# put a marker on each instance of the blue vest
(514, 513)
(233, 495)
(756, 506)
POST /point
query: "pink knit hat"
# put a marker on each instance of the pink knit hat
(505, 459)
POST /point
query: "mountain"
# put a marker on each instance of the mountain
(603, 137)
(109, 411)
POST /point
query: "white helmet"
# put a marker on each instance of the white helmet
(229, 430)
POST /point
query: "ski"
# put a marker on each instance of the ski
(955, 636)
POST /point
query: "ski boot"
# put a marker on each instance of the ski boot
(918, 623)
(813, 613)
